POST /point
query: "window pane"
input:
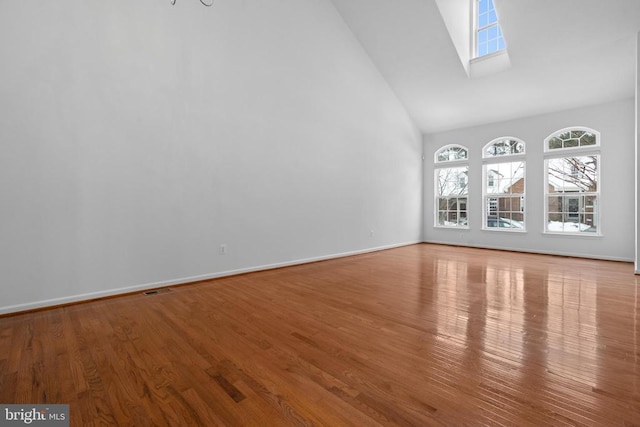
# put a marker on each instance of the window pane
(493, 17)
(507, 177)
(451, 181)
(571, 143)
(462, 203)
(555, 143)
(483, 20)
(590, 204)
(483, 49)
(572, 214)
(576, 134)
(572, 139)
(463, 221)
(451, 188)
(504, 205)
(483, 6)
(573, 174)
(518, 216)
(505, 200)
(553, 207)
(442, 218)
(493, 32)
(504, 147)
(517, 147)
(556, 175)
(487, 19)
(588, 139)
(452, 212)
(587, 221)
(451, 153)
(493, 46)
(572, 207)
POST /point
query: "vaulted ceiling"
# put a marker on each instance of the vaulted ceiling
(564, 54)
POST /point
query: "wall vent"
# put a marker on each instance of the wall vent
(156, 291)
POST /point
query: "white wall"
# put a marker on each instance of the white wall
(137, 137)
(637, 157)
(459, 29)
(615, 121)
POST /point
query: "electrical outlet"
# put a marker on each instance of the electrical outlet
(371, 233)
(223, 249)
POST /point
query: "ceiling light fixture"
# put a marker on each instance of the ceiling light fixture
(173, 2)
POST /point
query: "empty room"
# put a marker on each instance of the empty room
(319, 212)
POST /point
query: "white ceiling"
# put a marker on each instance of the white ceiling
(564, 54)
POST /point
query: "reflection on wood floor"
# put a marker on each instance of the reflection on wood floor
(419, 335)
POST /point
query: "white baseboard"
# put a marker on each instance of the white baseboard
(125, 290)
(531, 251)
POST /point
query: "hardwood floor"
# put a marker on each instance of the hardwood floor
(419, 335)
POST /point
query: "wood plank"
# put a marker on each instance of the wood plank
(419, 335)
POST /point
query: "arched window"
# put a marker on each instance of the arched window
(503, 147)
(572, 181)
(577, 137)
(450, 153)
(504, 184)
(451, 186)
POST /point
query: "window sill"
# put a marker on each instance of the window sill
(569, 234)
(505, 230)
(488, 57)
(450, 227)
(562, 152)
(489, 64)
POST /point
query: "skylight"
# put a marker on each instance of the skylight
(489, 37)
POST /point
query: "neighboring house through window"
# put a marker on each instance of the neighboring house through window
(504, 185)
(451, 186)
(572, 188)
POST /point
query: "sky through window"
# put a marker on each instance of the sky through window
(489, 37)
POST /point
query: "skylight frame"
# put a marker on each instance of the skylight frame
(486, 30)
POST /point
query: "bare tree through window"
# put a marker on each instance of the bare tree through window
(573, 181)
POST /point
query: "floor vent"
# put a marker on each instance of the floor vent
(157, 291)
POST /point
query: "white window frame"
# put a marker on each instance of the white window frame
(487, 161)
(568, 152)
(594, 147)
(475, 30)
(450, 164)
(446, 147)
